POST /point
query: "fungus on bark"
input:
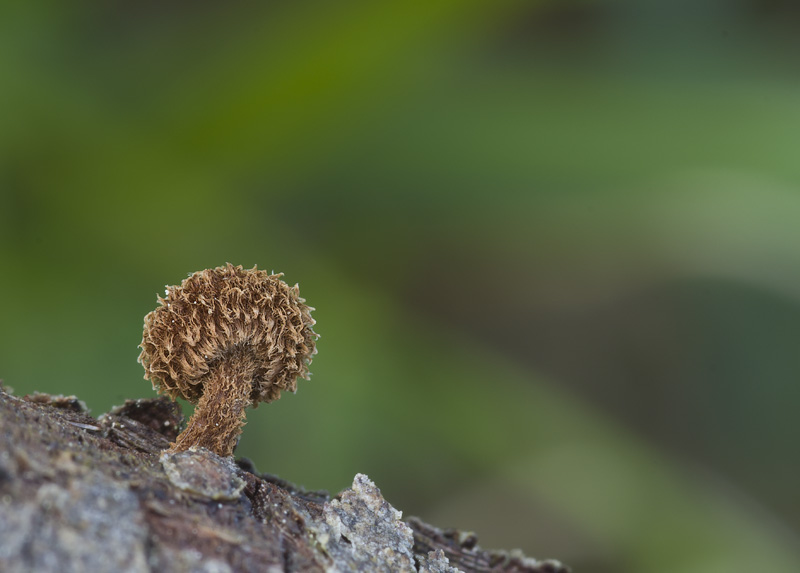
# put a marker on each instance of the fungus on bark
(225, 339)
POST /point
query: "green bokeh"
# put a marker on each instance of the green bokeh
(553, 248)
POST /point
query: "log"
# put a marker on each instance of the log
(80, 494)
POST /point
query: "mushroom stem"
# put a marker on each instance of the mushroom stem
(220, 412)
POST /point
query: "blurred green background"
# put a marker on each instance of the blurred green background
(553, 247)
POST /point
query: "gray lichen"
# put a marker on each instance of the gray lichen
(202, 472)
(361, 531)
(435, 562)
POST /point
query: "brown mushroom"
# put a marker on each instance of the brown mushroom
(225, 339)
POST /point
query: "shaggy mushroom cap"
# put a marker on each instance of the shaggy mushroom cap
(227, 313)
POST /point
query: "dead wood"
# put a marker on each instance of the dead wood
(82, 494)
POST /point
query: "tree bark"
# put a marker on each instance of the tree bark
(82, 494)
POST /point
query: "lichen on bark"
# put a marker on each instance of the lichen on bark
(83, 494)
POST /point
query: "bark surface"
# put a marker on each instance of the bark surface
(83, 494)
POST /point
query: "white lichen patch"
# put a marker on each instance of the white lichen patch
(435, 562)
(363, 532)
(202, 472)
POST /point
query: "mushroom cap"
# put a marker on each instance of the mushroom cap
(226, 313)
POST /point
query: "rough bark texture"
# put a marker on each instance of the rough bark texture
(82, 494)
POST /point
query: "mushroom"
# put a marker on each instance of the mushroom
(225, 339)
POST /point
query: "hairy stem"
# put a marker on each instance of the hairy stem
(220, 413)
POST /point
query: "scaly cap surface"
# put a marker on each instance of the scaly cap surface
(219, 312)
